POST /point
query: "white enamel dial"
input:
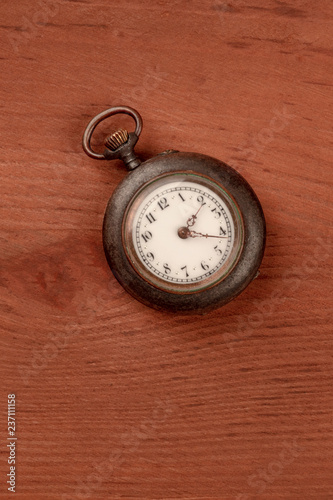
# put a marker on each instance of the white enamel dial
(182, 232)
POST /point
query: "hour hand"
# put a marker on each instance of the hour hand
(193, 218)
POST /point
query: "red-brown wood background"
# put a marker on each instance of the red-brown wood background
(115, 400)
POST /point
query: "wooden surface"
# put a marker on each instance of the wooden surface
(114, 400)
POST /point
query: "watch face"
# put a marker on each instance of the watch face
(182, 232)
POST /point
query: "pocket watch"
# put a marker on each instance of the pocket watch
(183, 232)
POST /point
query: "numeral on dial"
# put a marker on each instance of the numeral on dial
(185, 269)
(150, 256)
(146, 236)
(218, 250)
(217, 213)
(167, 269)
(223, 232)
(163, 203)
(181, 197)
(204, 265)
(150, 217)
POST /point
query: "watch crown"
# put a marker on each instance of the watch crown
(117, 139)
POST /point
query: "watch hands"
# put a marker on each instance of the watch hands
(186, 232)
(193, 218)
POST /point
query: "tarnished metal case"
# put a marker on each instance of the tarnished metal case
(251, 255)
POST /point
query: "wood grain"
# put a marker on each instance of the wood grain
(115, 400)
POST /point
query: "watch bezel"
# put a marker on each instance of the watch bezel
(203, 181)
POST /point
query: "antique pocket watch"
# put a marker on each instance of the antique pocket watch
(183, 231)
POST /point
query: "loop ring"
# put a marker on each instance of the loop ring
(101, 116)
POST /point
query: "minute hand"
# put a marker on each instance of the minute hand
(195, 234)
